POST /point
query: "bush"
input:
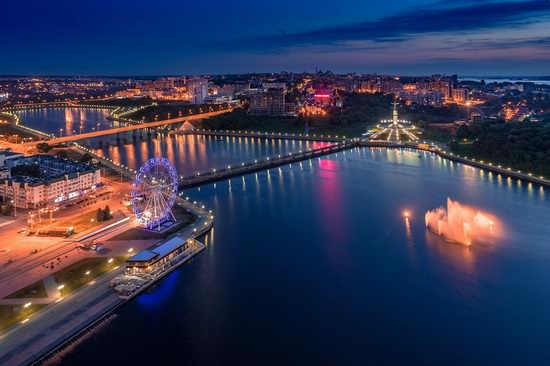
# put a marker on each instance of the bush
(43, 147)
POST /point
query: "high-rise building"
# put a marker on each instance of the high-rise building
(198, 89)
(270, 102)
(460, 95)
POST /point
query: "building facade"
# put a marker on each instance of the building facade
(198, 90)
(270, 103)
(61, 181)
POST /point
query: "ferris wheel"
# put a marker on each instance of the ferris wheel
(154, 192)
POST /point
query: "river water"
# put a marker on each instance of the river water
(313, 263)
(69, 120)
(188, 153)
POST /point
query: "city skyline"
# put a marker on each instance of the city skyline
(404, 37)
(274, 217)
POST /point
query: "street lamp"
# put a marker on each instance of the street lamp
(60, 132)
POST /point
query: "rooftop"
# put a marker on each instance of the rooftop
(160, 250)
(143, 256)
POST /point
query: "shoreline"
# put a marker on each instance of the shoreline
(92, 320)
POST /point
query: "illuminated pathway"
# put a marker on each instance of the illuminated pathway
(263, 135)
(260, 164)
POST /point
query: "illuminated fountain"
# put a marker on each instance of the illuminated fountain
(460, 224)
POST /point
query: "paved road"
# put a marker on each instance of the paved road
(42, 332)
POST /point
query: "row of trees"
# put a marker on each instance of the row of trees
(525, 146)
(362, 108)
(104, 214)
(239, 119)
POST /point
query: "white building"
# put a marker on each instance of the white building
(62, 181)
(198, 89)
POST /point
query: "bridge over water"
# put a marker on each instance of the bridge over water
(132, 127)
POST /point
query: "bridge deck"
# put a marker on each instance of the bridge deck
(111, 131)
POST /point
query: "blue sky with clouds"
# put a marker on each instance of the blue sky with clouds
(481, 37)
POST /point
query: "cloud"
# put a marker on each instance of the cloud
(410, 24)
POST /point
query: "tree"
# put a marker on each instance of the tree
(86, 158)
(104, 214)
(43, 147)
(453, 145)
(99, 215)
(107, 213)
(63, 154)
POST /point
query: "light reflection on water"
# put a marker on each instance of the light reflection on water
(313, 264)
(192, 153)
(71, 120)
(316, 255)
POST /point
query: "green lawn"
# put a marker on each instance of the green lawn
(83, 271)
(13, 314)
(72, 278)
(36, 290)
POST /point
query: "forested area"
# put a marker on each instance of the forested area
(524, 146)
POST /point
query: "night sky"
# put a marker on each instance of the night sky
(99, 37)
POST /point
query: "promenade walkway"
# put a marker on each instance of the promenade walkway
(262, 135)
(229, 171)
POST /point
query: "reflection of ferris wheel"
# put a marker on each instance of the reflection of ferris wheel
(154, 192)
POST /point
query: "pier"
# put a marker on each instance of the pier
(262, 135)
(230, 171)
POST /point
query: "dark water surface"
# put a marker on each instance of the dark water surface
(70, 120)
(192, 153)
(188, 153)
(314, 264)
